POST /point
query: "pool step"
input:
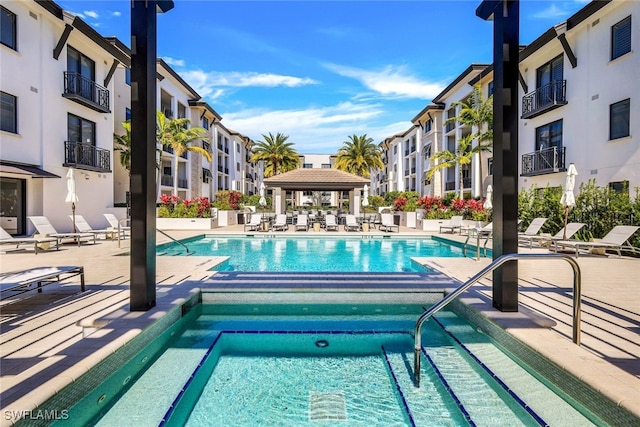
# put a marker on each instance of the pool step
(312, 280)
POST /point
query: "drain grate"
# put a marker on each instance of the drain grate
(327, 406)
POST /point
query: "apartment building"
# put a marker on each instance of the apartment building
(580, 99)
(429, 140)
(316, 198)
(56, 88)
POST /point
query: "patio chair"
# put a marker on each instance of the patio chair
(534, 227)
(351, 223)
(479, 233)
(83, 227)
(280, 224)
(617, 238)
(302, 222)
(117, 224)
(571, 229)
(38, 242)
(387, 224)
(42, 224)
(330, 222)
(455, 223)
(22, 281)
(254, 223)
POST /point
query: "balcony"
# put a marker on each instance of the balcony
(545, 98)
(413, 170)
(86, 156)
(248, 176)
(167, 149)
(220, 168)
(449, 186)
(183, 183)
(166, 180)
(466, 182)
(86, 92)
(185, 155)
(206, 146)
(549, 160)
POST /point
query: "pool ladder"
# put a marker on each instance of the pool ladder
(176, 241)
(577, 296)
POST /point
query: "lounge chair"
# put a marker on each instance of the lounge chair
(302, 222)
(571, 229)
(254, 223)
(387, 224)
(533, 228)
(38, 242)
(118, 224)
(42, 224)
(351, 223)
(22, 281)
(617, 238)
(455, 223)
(83, 227)
(330, 222)
(280, 224)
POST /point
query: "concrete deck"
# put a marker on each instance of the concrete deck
(42, 346)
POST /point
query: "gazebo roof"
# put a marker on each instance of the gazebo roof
(316, 179)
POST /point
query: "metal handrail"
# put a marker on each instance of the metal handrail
(176, 241)
(577, 296)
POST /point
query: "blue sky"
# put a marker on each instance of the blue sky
(321, 71)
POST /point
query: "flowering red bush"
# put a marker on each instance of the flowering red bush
(399, 203)
(169, 199)
(430, 203)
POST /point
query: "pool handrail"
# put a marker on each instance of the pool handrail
(577, 297)
(176, 241)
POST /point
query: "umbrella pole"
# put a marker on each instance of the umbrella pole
(73, 214)
(566, 217)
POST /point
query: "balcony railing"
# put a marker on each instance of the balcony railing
(449, 186)
(545, 98)
(167, 180)
(167, 149)
(86, 156)
(185, 155)
(549, 160)
(220, 169)
(466, 182)
(86, 92)
(206, 146)
(183, 183)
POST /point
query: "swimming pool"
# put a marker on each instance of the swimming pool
(339, 365)
(315, 254)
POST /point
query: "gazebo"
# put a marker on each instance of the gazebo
(316, 179)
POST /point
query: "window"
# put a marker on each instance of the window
(620, 187)
(8, 24)
(237, 148)
(490, 88)
(205, 123)
(81, 130)
(326, 166)
(427, 151)
(307, 165)
(490, 166)
(182, 111)
(427, 126)
(552, 71)
(80, 64)
(206, 175)
(8, 113)
(620, 38)
(549, 135)
(127, 76)
(619, 119)
(395, 149)
(237, 167)
(127, 113)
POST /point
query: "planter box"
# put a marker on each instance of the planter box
(185, 223)
(226, 218)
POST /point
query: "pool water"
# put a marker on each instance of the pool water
(310, 254)
(341, 365)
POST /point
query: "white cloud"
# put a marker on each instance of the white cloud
(173, 62)
(394, 82)
(116, 13)
(245, 79)
(91, 13)
(315, 129)
(558, 12)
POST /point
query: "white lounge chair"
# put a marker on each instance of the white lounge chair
(455, 223)
(118, 224)
(617, 238)
(351, 223)
(254, 222)
(387, 224)
(534, 227)
(330, 222)
(38, 242)
(83, 227)
(42, 224)
(22, 281)
(302, 222)
(571, 229)
(280, 224)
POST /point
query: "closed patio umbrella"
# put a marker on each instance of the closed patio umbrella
(568, 199)
(72, 197)
(262, 202)
(487, 201)
(365, 196)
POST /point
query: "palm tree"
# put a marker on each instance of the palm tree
(177, 134)
(477, 114)
(359, 155)
(123, 145)
(277, 154)
(462, 155)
